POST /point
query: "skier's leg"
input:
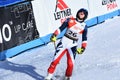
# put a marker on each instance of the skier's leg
(53, 64)
(70, 61)
(56, 60)
(60, 51)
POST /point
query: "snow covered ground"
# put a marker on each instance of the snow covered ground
(100, 61)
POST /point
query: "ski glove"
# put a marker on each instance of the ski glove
(80, 50)
(53, 38)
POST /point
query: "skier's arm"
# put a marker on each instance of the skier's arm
(62, 27)
(59, 30)
(84, 38)
(84, 42)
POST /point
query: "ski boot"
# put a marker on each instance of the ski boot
(49, 77)
(67, 78)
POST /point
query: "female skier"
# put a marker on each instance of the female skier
(68, 44)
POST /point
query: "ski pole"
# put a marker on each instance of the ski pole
(55, 45)
(55, 49)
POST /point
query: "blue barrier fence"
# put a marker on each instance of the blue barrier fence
(9, 2)
(46, 39)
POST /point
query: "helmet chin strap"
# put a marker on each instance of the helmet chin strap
(79, 20)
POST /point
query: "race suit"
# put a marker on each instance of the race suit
(68, 43)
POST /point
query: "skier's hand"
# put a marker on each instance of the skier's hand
(80, 50)
(53, 38)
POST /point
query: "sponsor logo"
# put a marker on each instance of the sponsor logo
(64, 10)
(5, 33)
(18, 26)
(20, 8)
(110, 4)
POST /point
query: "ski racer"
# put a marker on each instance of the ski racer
(68, 44)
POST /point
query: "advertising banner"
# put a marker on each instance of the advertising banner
(17, 25)
(51, 14)
(103, 7)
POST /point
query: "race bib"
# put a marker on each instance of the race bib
(71, 34)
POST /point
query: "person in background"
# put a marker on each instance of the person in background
(68, 44)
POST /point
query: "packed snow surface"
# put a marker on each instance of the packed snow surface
(100, 61)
